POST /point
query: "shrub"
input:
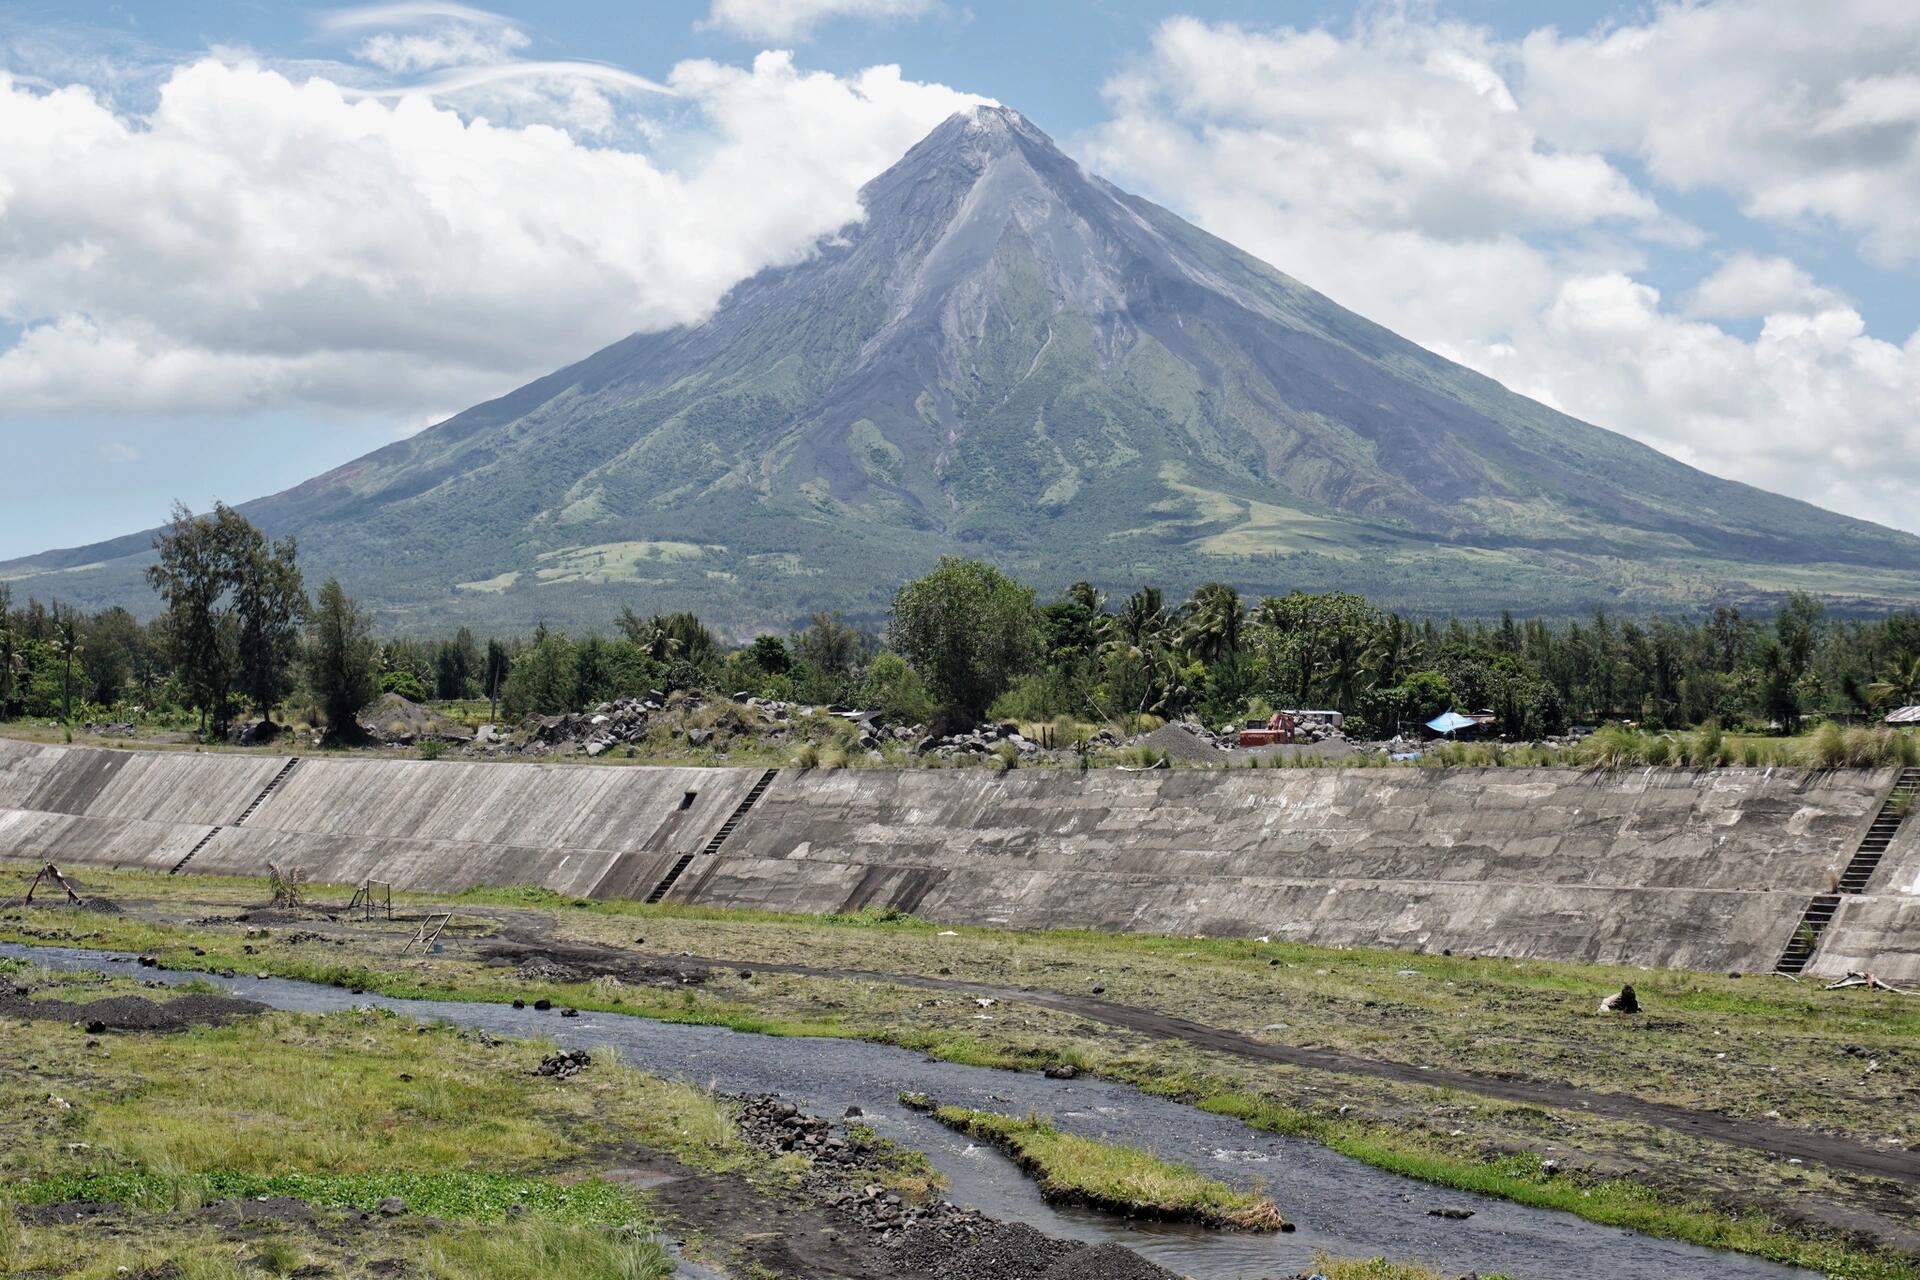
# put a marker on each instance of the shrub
(1826, 747)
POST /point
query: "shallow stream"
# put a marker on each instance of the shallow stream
(1339, 1204)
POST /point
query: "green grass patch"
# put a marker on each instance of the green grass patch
(1526, 1179)
(1069, 1168)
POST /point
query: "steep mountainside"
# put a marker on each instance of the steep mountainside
(1013, 358)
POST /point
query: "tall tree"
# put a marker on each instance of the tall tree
(968, 629)
(234, 608)
(194, 577)
(340, 659)
(270, 601)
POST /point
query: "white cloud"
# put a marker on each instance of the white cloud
(1746, 286)
(1405, 168)
(119, 452)
(1801, 110)
(1814, 406)
(257, 240)
(422, 34)
(796, 19)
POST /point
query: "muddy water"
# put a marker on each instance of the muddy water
(1339, 1204)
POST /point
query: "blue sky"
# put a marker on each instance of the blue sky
(1699, 242)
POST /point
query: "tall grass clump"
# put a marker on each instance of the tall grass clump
(1611, 747)
(1707, 746)
(532, 1249)
(1826, 747)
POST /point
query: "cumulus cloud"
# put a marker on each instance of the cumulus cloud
(1420, 172)
(796, 19)
(1802, 111)
(259, 240)
(1747, 286)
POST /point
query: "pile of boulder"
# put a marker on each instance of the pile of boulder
(839, 1160)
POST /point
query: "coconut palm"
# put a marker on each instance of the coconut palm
(1900, 685)
(1142, 618)
(1215, 621)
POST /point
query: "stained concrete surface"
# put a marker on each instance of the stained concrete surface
(1675, 868)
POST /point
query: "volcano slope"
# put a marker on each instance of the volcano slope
(1010, 357)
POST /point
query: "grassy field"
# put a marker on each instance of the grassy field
(1837, 1062)
(257, 1146)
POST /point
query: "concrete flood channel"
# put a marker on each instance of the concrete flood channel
(1339, 1204)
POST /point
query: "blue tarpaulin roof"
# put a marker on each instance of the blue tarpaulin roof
(1449, 721)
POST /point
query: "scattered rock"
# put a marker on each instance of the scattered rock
(569, 1062)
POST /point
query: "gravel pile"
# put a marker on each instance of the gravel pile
(133, 1013)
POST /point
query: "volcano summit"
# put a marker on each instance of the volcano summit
(1011, 358)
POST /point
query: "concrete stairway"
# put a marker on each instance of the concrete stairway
(266, 791)
(1806, 935)
(1866, 859)
(719, 837)
(1858, 874)
(200, 844)
(245, 813)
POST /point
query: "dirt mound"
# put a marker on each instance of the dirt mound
(98, 905)
(135, 1013)
(1106, 1262)
(1183, 741)
(394, 719)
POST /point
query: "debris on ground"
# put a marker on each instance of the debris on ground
(569, 1062)
(1867, 980)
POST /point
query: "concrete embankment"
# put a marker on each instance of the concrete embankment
(1709, 869)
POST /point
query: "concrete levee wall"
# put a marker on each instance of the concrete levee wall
(1706, 870)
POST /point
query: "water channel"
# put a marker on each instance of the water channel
(1339, 1204)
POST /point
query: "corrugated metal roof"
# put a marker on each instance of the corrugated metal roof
(1905, 715)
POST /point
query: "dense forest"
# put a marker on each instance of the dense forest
(239, 635)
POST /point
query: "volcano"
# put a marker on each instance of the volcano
(1011, 358)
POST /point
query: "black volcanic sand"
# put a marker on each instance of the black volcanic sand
(134, 1013)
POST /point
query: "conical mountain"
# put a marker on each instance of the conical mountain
(1012, 358)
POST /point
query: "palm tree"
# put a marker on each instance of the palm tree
(67, 645)
(1215, 619)
(1391, 650)
(1900, 685)
(1142, 617)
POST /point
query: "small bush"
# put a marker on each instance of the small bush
(432, 749)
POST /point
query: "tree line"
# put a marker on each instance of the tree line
(239, 635)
